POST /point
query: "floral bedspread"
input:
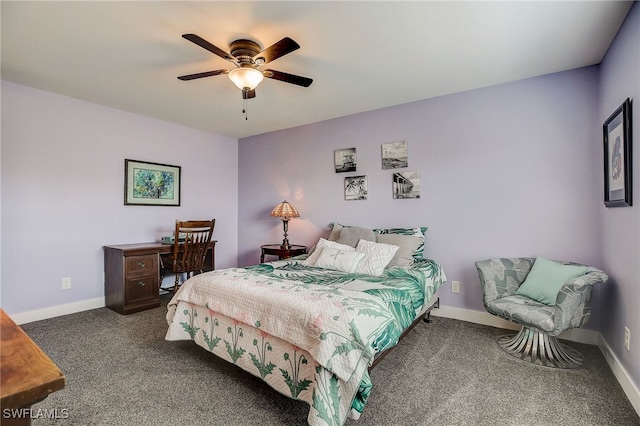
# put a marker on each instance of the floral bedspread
(308, 332)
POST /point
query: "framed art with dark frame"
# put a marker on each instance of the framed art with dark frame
(151, 184)
(345, 160)
(355, 188)
(617, 157)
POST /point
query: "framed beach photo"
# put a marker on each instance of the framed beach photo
(151, 184)
(395, 155)
(406, 185)
(355, 188)
(345, 160)
(617, 157)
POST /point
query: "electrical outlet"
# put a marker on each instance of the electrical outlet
(66, 283)
(455, 286)
(627, 339)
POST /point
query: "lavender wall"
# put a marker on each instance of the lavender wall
(62, 192)
(620, 79)
(509, 170)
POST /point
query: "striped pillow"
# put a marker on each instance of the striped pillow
(418, 254)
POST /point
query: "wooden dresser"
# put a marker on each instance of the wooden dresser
(132, 275)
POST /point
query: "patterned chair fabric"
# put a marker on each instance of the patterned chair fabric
(500, 278)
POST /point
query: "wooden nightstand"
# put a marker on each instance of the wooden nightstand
(282, 253)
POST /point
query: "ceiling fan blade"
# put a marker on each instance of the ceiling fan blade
(273, 52)
(206, 45)
(248, 94)
(202, 74)
(288, 78)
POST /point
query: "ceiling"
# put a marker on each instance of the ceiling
(362, 55)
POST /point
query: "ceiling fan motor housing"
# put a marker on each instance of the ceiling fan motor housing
(244, 51)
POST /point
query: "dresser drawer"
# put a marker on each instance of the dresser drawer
(141, 289)
(141, 265)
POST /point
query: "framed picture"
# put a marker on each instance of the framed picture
(395, 155)
(406, 185)
(617, 157)
(355, 188)
(345, 160)
(151, 184)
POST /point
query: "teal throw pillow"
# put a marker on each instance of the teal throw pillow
(546, 279)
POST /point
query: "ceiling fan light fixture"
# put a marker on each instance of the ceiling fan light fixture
(246, 78)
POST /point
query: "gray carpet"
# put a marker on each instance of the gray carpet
(121, 371)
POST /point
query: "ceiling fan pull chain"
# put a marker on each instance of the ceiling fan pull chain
(244, 108)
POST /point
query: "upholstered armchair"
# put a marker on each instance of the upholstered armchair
(569, 307)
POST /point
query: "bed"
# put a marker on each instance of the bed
(309, 329)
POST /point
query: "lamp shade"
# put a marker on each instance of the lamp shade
(285, 210)
(245, 78)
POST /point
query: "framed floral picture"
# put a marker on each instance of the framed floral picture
(151, 184)
(617, 157)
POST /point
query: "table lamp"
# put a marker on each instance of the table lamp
(285, 211)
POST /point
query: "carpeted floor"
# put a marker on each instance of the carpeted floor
(121, 371)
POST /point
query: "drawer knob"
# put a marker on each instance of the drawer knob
(141, 283)
(140, 264)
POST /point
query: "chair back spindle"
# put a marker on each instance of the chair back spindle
(191, 242)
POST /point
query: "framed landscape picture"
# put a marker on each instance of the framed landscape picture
(395, 155)
(617, 157)
(151, 184)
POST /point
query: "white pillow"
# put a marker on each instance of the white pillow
(340, 260)
(313, 257)
(378, 256)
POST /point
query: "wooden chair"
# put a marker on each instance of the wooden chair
(191, 243)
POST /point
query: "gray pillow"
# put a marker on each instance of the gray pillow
(350, 235)
(407, 243)
(335, 231)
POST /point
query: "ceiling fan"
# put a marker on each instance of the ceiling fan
(247, 57)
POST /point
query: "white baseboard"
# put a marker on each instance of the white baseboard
(630, 388)
(578, 335)
(56, 311)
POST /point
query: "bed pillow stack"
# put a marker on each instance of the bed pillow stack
(409, 240)
(368, 257)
